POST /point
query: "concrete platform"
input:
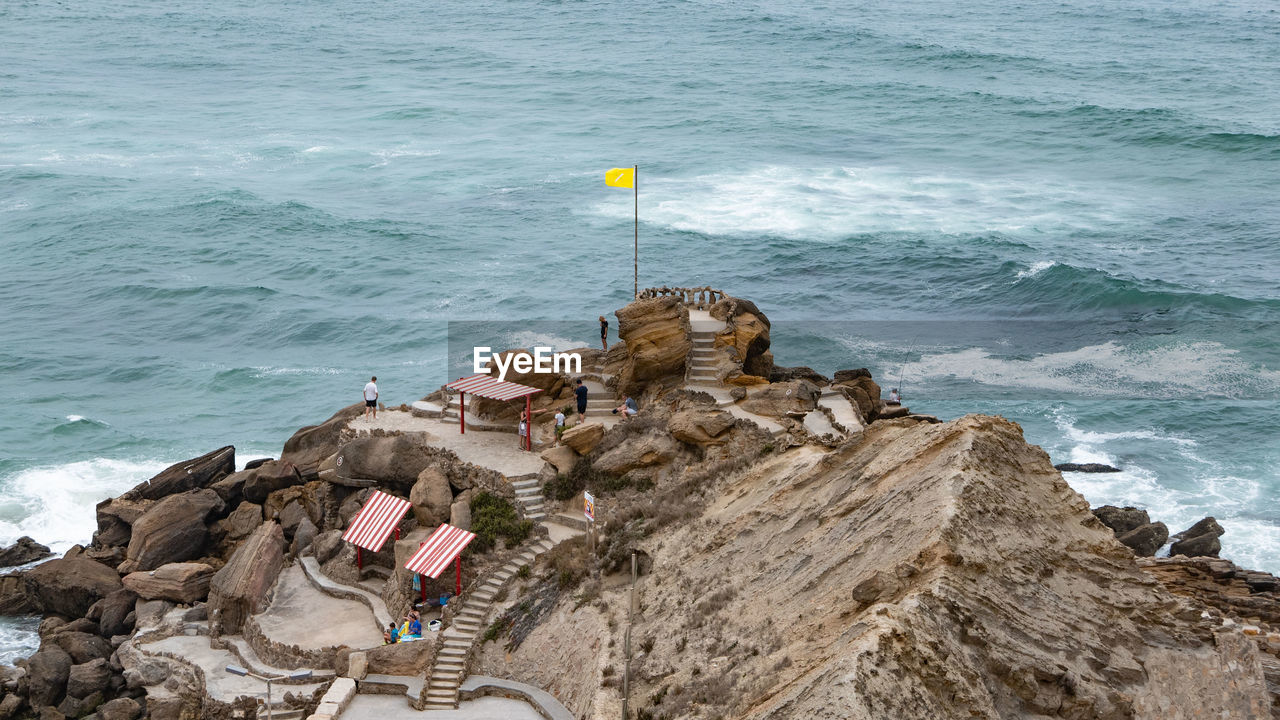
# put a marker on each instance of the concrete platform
(301, 616)
(494, 450)
(701, 321)
(220, 684)
(393, 707)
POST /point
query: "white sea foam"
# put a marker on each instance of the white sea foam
(529, 339)
(1036, 268)
(832, 203)
(1173, 370)
(55, 504)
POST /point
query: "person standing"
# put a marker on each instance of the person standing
(371, 398)
(560, 426)
(604, 333)
(581, 392)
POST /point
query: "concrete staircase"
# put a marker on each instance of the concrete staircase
(529, 495)
(448, 671)
(702, 364)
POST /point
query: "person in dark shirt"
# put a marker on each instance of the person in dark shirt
(581, 392)
(604, 333)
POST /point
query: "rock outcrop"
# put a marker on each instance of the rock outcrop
(745, 336)
(23, 551)
(172, 530)
(187, 475)
(1199, 540)
(656, 336)
(177, 582)
(921, 571)
(69, 586)
(238, 589)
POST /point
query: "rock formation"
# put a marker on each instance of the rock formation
(656, 334)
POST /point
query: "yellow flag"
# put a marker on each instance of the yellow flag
(620, 177)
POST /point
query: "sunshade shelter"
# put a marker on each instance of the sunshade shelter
(443, 547)
(487, 386)
(371, 526)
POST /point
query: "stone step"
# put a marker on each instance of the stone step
(453, 652)
(410, 685)
(524, 483)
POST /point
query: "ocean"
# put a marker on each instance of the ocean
(218, 219)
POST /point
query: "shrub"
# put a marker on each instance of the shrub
(493, 517)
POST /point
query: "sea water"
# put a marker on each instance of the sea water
(217, 220)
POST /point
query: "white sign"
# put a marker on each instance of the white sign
(588, 506)
(543, 360)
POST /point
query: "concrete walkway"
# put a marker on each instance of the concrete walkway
(392, 707)
(373, 603)
(494, 450)
(297, 612)
(220, 684)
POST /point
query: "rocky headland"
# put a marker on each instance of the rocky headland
(801, 550)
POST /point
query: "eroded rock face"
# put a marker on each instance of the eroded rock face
(656, 336)
(861, 390)
(1121, 519)
(238, 589)
(172, 530)
(69, 586)
(1145, 540)
(638, 452)
(746, 335)
(921, 571)
(389, 460)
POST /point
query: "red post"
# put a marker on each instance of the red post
(528, 425)
(359, 559)
(422, 581)
(462, 413)
(397, 534)
(458, 564)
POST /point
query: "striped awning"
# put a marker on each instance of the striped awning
(487, 386)
(375, 521)
(445, 544)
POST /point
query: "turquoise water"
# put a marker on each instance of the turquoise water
(217, 219)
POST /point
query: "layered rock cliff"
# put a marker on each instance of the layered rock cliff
(917, 571)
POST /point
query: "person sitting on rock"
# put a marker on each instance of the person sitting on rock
(391, 635)
(894, 397)
(628, 408)
(415, 623)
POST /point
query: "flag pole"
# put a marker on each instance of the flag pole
(635, 182)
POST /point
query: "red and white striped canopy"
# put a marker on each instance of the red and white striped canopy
(445, 544)
(487, 386)
(375, 521)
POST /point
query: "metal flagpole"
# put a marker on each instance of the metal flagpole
(635, 183)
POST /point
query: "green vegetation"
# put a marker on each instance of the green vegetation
(494, 517)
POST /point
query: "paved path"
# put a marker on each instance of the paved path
(392, 707)
(220, 684)
(328, 585)
(297, 611)
(493, 450)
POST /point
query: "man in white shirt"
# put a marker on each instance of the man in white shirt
(371, 398)
(560, 426)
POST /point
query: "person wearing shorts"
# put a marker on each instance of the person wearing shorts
(581, 392)
(560, 426)
(371, 398)
(604, 333)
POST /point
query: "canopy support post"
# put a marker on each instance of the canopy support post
(528, 424)
(458, 565)
(462, 413)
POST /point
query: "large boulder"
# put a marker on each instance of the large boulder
(796, 397)
(82, 647)
(583, 438)
(1121, 519)
(239, 588)
(746, 335)
(172, 530)
(180, 582)
(114, 613)
(1199, 540)
(13, 595)
(637, 452)
(187, 475)
(799, 372)
(115, 520)
(431, 497)
(22, 552)
(314, 443)
(561, 457)
(394, 460)
(861, 390)
(656, 334)
(242, 521)
(269, 477)
(47, 672)
(69, 586)
(1146, 539)
(124, 708)
(88, 678)
(700, 426)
